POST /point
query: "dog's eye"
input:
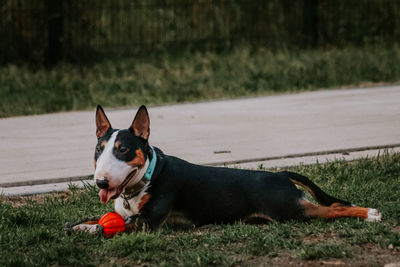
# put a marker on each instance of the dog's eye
(123, 149)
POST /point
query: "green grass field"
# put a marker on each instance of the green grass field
(190, 76)
(31, 229)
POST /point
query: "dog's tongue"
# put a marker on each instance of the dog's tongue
(106, 195)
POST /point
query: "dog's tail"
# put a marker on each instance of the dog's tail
(319, 195)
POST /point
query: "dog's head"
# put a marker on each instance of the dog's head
(120, 156)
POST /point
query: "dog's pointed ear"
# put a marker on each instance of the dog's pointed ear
(141, 124)
(102, 123)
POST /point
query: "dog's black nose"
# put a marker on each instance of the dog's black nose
(103, 184)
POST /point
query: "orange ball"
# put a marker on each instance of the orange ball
(112, 223)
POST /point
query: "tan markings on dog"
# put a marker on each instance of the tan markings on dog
(116, 144)
(143, 201)
(95, 163)
(260, 216)
(103, 144)
(336, 210)
(91, 222)
(139, 160)
(304, 186)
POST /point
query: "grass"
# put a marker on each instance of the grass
(166, 78)
(31, 228)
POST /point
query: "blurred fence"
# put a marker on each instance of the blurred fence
(46, 31)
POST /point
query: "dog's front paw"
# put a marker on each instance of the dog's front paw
(90, 228)
(84, 227)
(373, 215)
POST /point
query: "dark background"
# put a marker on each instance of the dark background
(45, 32)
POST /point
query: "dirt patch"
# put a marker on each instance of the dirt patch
(313, 238)
(18, 201)
(366, 255)
(371, 254)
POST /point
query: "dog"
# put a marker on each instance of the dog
(150, 188)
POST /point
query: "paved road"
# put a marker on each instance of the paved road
(43, 148)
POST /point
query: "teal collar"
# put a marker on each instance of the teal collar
(152, 165)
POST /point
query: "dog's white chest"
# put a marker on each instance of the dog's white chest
(130, 207)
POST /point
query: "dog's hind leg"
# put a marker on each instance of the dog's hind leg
(338, 210)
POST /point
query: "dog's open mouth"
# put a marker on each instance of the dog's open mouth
(112, 193)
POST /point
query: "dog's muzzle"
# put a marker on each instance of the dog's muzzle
(108, 193)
